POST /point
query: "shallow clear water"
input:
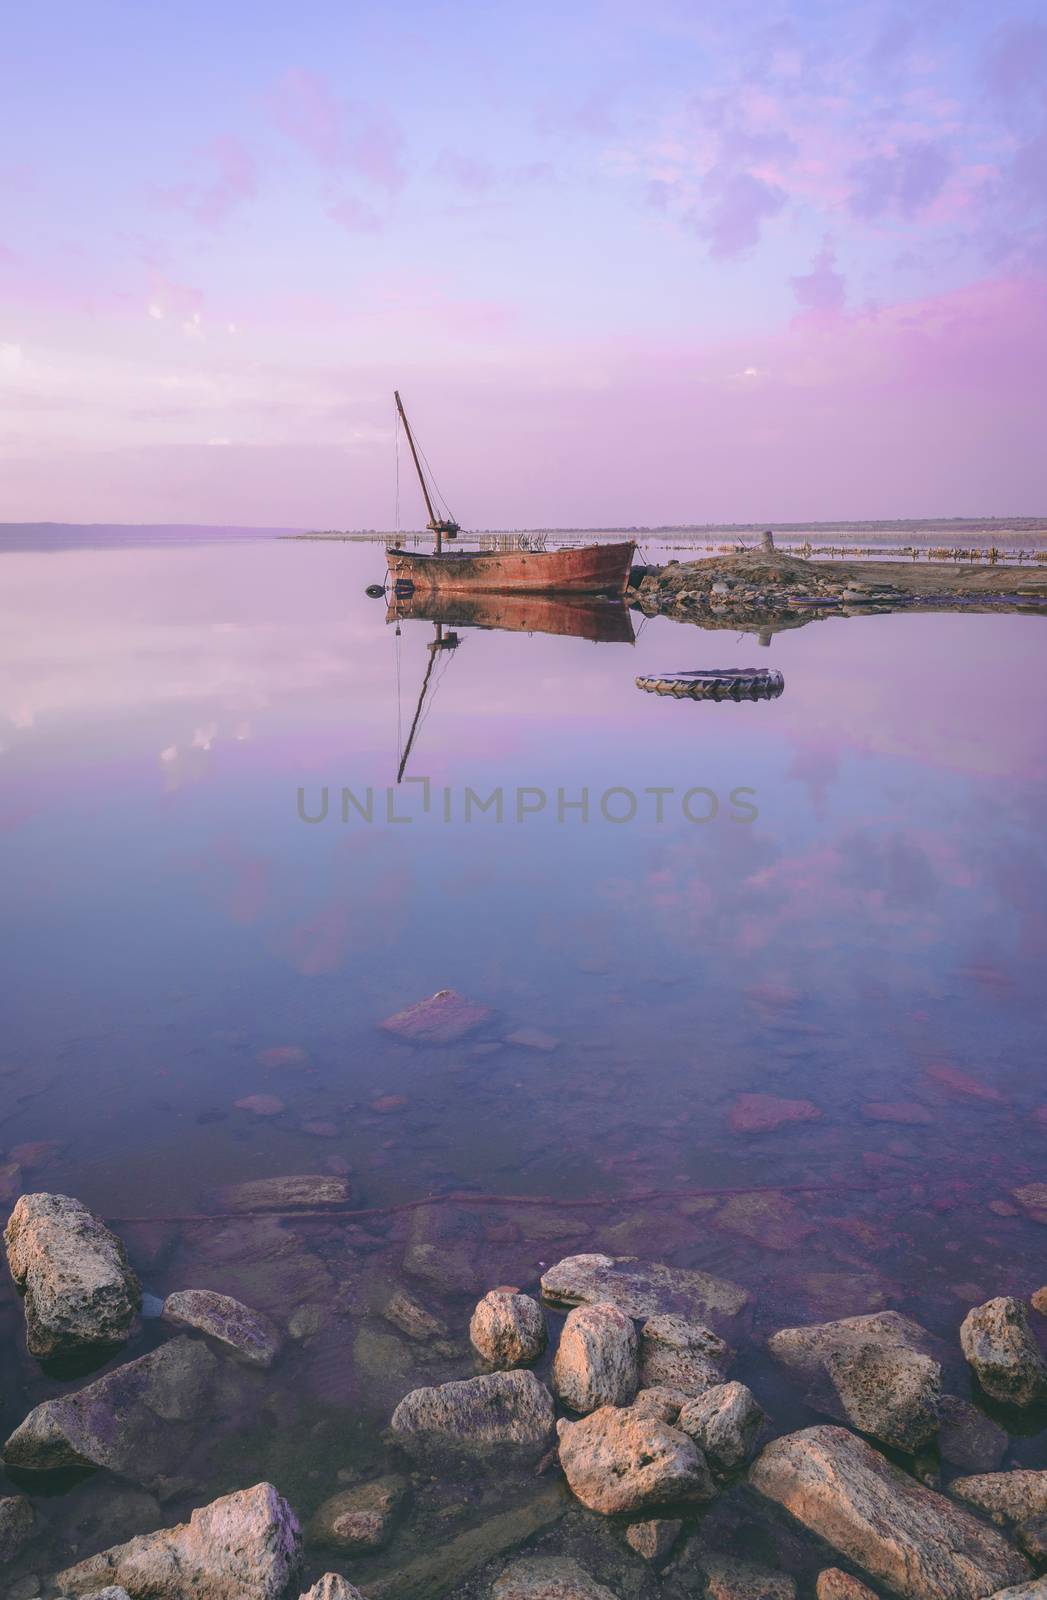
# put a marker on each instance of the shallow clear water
(875, 934)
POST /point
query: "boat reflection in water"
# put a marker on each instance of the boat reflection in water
(568, 616)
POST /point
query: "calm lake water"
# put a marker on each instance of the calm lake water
(864, 925)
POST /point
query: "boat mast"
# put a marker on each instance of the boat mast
(433, 521)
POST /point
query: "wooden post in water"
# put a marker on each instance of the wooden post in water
(433, 519)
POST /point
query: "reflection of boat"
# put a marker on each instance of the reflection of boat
(570, 616)
(593, 569)
(728, 683)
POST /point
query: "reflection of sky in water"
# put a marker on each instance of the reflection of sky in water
(168, 917)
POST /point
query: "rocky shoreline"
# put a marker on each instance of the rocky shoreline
(601, 1429)
(760, 588)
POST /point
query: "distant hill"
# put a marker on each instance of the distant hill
(107, 535)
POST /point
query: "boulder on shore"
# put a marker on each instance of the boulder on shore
(507, 1329)
(1003, 1352)
(642, 1289)
(892, 1393)
(677, 1353)
(80, 1291)
(835, 1584)
(500, 1413)
(245, 1546)
(724, 1423)
(803, 1351)
(616, 1460)
(1005, 1496)
(247, 1334)
(332, 1586)
(916, 1542)
(137, 1420)
(596, 1360)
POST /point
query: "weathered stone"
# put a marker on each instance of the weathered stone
(411, 1317)
(1038, 1301)
(360, 1518)
(507, 1329)
(596, 1362)
(443, 1566)
(303, 1191)
(762, 1113)
(1005, 1496)
(678, 1354)
(80, 1291)
(332, 1586)
(249, 1335)
(646, 1290)
(661, 1402)
(803, 1351)
(731, 1578)
(443, 1018)
(835, 1584)
(245, 1546)
(653, 1539)
(724, 1423)
(1001, 1349)
(258, 1258)
(915, 1541)
(1031, 1534)
(615, 1460)
(967, 1438)
(504, 1413)
(443, 1248)
(137, 1420)
(548, 1578)
(1034, 1590)
(771, 1220)
(16, 1525)
(892, 1394)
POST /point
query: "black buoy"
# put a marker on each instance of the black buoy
(375, 590)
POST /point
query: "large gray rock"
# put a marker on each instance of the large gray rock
(507, 1329)
(1001, 1349)
(548, 1578)
(915, 1541)
(16, 1525)
(245, 1546)
(643, 1289)
(892, 1393)
(247, 1334)
(501, 1413)
(724, 1423)
(617, 1460)
(137, 1420)
(1005, 1496)
(803, 1351)
(359, 1518)
(596, 1361)
(677, 1353)
(80, 1292)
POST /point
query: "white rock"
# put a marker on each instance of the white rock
(596, 1362)
(80, 1291)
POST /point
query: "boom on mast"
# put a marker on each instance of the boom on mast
(441, 526)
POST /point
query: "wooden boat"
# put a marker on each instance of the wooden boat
(603, 621)
(592, 569)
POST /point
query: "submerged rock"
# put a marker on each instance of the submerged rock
(1001, 1349)
(548, 1578)
(245, 1546)
(412, 1318)
(1005, 1496)
(443, 1566)
(504, 1413)
(360, 1518)
(16, 1525)
(967, 1438)
(596, 1361)
(641, 1289)
(304, 1191)
(724, 1422)
(733, 1578)
(762, 1113)
(888, 1392)
(619, 1461)
(507, 1329)
(442, 1019)
(137, 1420)
(915, 1541)
(248, 1334)
(80, 1291)
(678, 1354)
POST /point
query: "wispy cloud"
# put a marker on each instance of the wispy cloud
(338, 133)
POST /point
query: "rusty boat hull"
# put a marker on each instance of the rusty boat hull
(592, 569)
(575, 616)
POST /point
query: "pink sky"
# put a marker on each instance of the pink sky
(632, 265)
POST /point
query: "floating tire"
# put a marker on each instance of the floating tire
(732, 683)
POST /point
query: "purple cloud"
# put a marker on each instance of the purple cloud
(1016, 62)
(905, 182)
(354, 216)
(470, 173)
(823, 288)
(739, 203)
(228, 177)
(337, 133)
